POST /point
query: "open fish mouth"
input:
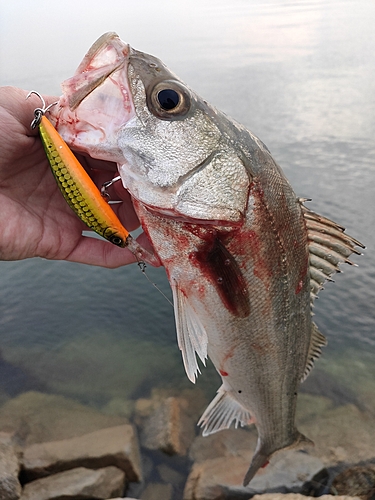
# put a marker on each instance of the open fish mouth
(91, 125)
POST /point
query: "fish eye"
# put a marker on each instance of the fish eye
(169, 100)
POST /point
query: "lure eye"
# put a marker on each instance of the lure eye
(169, 100)
(116, 240)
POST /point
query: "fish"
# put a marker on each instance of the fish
(244, 256)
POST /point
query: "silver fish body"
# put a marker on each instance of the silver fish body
(244, 257)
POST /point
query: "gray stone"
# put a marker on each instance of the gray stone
(169, 428)
(77, 484)
(222, 478)
(157, 491)
(297, 496)
(10, 488)
(116, 446)
(36, 417)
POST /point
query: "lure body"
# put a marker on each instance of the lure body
(78, 189)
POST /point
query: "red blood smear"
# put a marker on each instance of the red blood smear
(223, 373)
(265, 465)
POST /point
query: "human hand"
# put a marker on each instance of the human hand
(35, 220)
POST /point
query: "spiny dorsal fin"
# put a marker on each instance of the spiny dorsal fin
(191, 335)
(329, 246)
(317, 341)
(221, 412)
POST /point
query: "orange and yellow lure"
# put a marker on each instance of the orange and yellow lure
(77, 187)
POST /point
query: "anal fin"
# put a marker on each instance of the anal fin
(191, 334)
(221, 412)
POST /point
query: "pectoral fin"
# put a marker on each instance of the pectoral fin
(191, 334)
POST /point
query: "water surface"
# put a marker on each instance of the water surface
(301, 76)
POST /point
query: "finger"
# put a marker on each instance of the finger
(97, 252)
(101, 253)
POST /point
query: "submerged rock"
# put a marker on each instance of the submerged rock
(229, 442)
(79, 483)
(10, 487)
(169, 428)
(117, 446)
(36, 417)
(340, 433)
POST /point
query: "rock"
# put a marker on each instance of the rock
(221, 478)
(193, 402)
(157, 491)
(77, 484)
(36, 417)
(169, 428)
(169, 475)
(341, 433)
(119, 406)
(10, 488)
(116, 446)
(356, 481)
(143, 408)
(297, 496)
(228, 442)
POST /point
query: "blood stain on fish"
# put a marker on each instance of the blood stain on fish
(221, 268)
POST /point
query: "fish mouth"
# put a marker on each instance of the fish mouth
(96, 100)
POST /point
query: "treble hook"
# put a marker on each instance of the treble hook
(107, 184)
(39, 112)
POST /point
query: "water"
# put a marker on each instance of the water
(301, 76)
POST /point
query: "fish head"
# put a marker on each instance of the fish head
(126, 106)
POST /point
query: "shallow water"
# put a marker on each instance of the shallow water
(301, 76)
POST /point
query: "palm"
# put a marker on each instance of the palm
(35, 219)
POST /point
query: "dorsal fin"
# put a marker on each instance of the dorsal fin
(317, 341)
(329, 246)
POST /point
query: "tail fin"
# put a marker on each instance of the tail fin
(263, 454)
(259, 460)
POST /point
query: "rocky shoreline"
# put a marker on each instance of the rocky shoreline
(53, 448)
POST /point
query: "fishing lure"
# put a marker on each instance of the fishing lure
(77, 187)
